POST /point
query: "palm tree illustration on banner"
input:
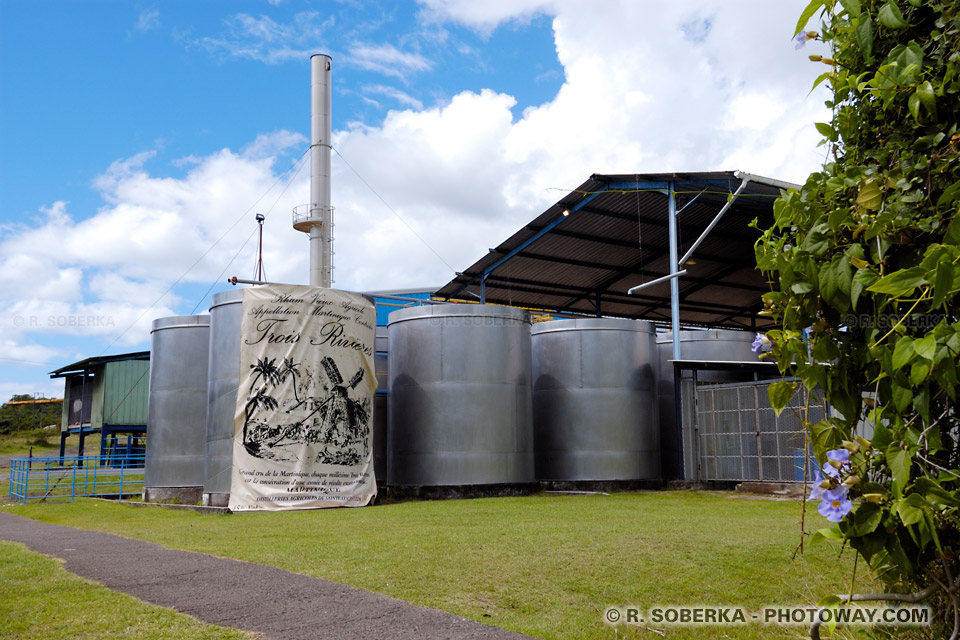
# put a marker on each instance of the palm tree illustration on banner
(291, 369)
(260, 400)
(266, 370)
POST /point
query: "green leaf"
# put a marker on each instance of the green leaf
(864, 36)
(899, 462)
(823, 76)
(913, 105)
(902, 397)
(870, 196)
(852, 7)
(903, 352)
(780, 394)
(928, 98)
(862, 278)
(911, 509)
(807, 14)
(899, 282)
(919, 372)
(946, 198)
(926, 347)
(825, 435)
(826, 131)
(865, 519)
(890, 17)
(801, 287)
(936, 494)
(881, 437)
(833, 533)
(942, 284)
(952, 234)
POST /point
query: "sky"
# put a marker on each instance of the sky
(138, 140)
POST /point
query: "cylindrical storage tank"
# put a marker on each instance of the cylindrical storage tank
(177, 409)
(460, 397)
(380, 406)
(594, 400)
(715, 345)
(223, 382)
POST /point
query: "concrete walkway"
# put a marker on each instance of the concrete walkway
(243, 595)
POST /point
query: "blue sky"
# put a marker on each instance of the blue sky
(138, 139)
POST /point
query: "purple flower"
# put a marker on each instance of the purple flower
(840, 455)
(836, 455)
(835, 504)
(803, 36)
(817, 490)
(759, 342)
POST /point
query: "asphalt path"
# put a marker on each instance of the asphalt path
(276, 603)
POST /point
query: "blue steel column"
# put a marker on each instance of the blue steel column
(675, 322)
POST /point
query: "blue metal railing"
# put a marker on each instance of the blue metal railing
(64, 479)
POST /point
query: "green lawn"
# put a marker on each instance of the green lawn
(44, 442)
(547, 565)
(40, 600)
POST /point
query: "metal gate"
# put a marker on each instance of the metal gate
(740, 437)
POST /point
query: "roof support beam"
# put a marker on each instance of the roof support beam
(716, 219)
(657, 281)
(539, 234)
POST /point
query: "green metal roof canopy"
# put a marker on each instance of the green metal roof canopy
(617, 232)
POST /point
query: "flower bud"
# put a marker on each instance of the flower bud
(875, 498)
(812, 35)
(864, 442)
(829, 61)
(852, 447)
(815, 58)
(852, 481)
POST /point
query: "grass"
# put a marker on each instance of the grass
(544, 565)
(40, 600)
(42, 441)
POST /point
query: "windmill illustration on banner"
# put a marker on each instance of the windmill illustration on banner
(334, 419)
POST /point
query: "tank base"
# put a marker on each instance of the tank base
(611, 486)
(177, 495)
(216, 499)
(455, 492)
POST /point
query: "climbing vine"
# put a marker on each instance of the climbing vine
(865, 262)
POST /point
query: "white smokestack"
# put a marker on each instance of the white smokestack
(321, 240)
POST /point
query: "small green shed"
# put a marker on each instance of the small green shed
(106, 394)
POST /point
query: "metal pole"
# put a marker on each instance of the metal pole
(320, 132)
(674, 284)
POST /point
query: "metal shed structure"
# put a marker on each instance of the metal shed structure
(106, 394)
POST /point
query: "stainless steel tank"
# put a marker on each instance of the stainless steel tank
(595, 400)
(223, 382)
(715, 345)
(177, 409)
(381, 362)
(460, 396)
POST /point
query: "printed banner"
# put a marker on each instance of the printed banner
(303, 430)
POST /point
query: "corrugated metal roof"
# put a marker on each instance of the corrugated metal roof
(616, 237)
(89, 363)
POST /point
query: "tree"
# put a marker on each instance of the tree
(866, 259)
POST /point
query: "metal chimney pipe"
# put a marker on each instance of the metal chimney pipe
(321, 239)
